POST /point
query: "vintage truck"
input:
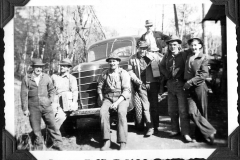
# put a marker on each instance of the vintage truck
(87, 75)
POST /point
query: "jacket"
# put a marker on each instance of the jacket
(31, 94)
(134, 62)
(159, 38)
(166, 67)
(196, 69)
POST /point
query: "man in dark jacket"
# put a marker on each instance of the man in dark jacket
(196, 71)
(155, 39)
(37, 94)
(172, 66)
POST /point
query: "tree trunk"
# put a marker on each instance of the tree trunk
(176, 19)
(162, 16)
(204, 36)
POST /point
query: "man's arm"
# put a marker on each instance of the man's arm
(201, 74)
(74, 89)
(101, 81)
(126, 84)
(163, 67)
(51, 89)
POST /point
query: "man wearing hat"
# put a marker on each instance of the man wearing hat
(172, 66)
(37, 93)
(146, 67)
(196, 71)
(114, 92)
(66, 92)
(155, 39)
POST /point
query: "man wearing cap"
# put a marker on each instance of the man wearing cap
(196, 71)
(114, 91)
(172, 66)
(37, 93)
(155, 39)
(66, 92)
(146, 67)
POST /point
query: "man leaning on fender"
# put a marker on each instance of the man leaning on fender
(37, 94)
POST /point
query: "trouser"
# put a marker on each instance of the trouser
(197, 98)
(152, 93)
(122, 129)
(143, 94)
(59, 114)
(46, 113)
(177, 106)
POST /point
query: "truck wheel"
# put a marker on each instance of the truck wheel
(139, 119)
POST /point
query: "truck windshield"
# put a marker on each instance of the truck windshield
(122, 47)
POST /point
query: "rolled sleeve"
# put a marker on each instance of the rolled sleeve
(74, 89)
(101, 82)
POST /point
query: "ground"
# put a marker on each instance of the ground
(88, 135)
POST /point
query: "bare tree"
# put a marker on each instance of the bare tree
(176, 19)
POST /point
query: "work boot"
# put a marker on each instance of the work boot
(122, 146)
(174, 134)
(210, 139)
(57, 146)
(149, 132)
(187, 138)
(106, 145)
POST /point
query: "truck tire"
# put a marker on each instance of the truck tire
(139, 119)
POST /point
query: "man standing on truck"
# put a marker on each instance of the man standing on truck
(37, 93)
(66, 92)
(172, 66)
(114, 91)
(146, 67)
(155, 39)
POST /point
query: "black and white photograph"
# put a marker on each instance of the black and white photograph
(122, 78)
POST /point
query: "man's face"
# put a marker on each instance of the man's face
(113, 63)
(149, 28)
(195, 46)
(37, 70)
(64, 68)
(173, 46)
(142, 51)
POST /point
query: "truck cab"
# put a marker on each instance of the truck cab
(87, 73)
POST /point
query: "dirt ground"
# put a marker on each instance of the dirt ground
(88, 135)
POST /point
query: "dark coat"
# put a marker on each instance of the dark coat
(31, 94)
(196, 69)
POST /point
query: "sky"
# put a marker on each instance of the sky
(129, 19)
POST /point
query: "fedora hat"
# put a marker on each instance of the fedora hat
(174, 38)
(66, 62)
(195, 38)
(113, 55)
(142, 44)
(37, 62)
(148, 23)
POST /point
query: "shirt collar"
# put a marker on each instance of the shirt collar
(200, 55)
(33, 76)
(66, 74)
